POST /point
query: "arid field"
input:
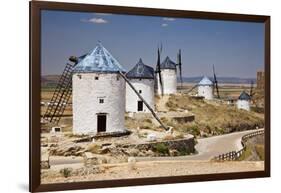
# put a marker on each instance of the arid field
(208, 128)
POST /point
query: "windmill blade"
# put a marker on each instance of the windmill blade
(216, 82)
(195, 86)
(251, 89)
(179, 65)
(158, 70)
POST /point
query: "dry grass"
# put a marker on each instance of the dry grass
(173, 137)
(212, 117)
(260, 151)
(131, 123)
(94, 148)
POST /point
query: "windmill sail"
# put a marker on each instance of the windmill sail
(251, 89)
(61, 96)
(216, 82)
(142, 99)
(179, 65)
(158, 70)
(62, 93)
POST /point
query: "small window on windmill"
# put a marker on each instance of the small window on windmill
(96, 78)
(140, 91)
(101, 101)
(79, 76)
(117, 78)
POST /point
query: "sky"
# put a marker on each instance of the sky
(235, 48)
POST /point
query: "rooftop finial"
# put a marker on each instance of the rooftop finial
(99, 43)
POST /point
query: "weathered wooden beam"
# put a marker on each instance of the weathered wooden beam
(142, 99)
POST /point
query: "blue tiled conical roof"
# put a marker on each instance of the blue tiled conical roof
(98, 60)
(205, 81)
(244, 96)
(140, 70)
(168, 64)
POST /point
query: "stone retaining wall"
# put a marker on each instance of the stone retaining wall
(182, 146)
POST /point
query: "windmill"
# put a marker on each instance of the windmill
(63, 93)
(216, 83)
(179, 65)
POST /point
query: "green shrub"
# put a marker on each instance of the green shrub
(184, 151)
(66, 172)
(161, 148)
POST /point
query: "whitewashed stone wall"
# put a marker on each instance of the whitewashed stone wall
(147, 92)
(243, 104)
(206, 91)
(169, 81)
(86, 93)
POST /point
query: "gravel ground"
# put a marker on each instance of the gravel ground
(155, 169)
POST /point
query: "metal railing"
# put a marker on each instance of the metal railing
(234, 155)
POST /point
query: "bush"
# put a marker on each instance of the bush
(148, 121)
(66, 172)
(161, 148)
(194, 130)
(184, 151)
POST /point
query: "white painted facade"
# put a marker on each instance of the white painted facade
(206, 91)
(88, 90)
(146, 89)
(169, 81)
(243, 104)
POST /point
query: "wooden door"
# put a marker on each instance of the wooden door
(101, 119)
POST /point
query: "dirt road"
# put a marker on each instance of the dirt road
(155, 169)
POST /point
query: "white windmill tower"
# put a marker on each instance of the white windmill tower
(243, 101)
(141, 77)
(98, 93)
(166, 75)
(205, 88)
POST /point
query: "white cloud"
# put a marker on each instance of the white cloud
(95, 20)
(164, 25)
(169, 19)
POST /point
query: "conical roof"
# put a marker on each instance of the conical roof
(140, 70)
(168, 64)
(205, 81)
(98, 60)
(244, 96)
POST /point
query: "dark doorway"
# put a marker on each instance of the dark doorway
(140, 106)
(101, 123)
